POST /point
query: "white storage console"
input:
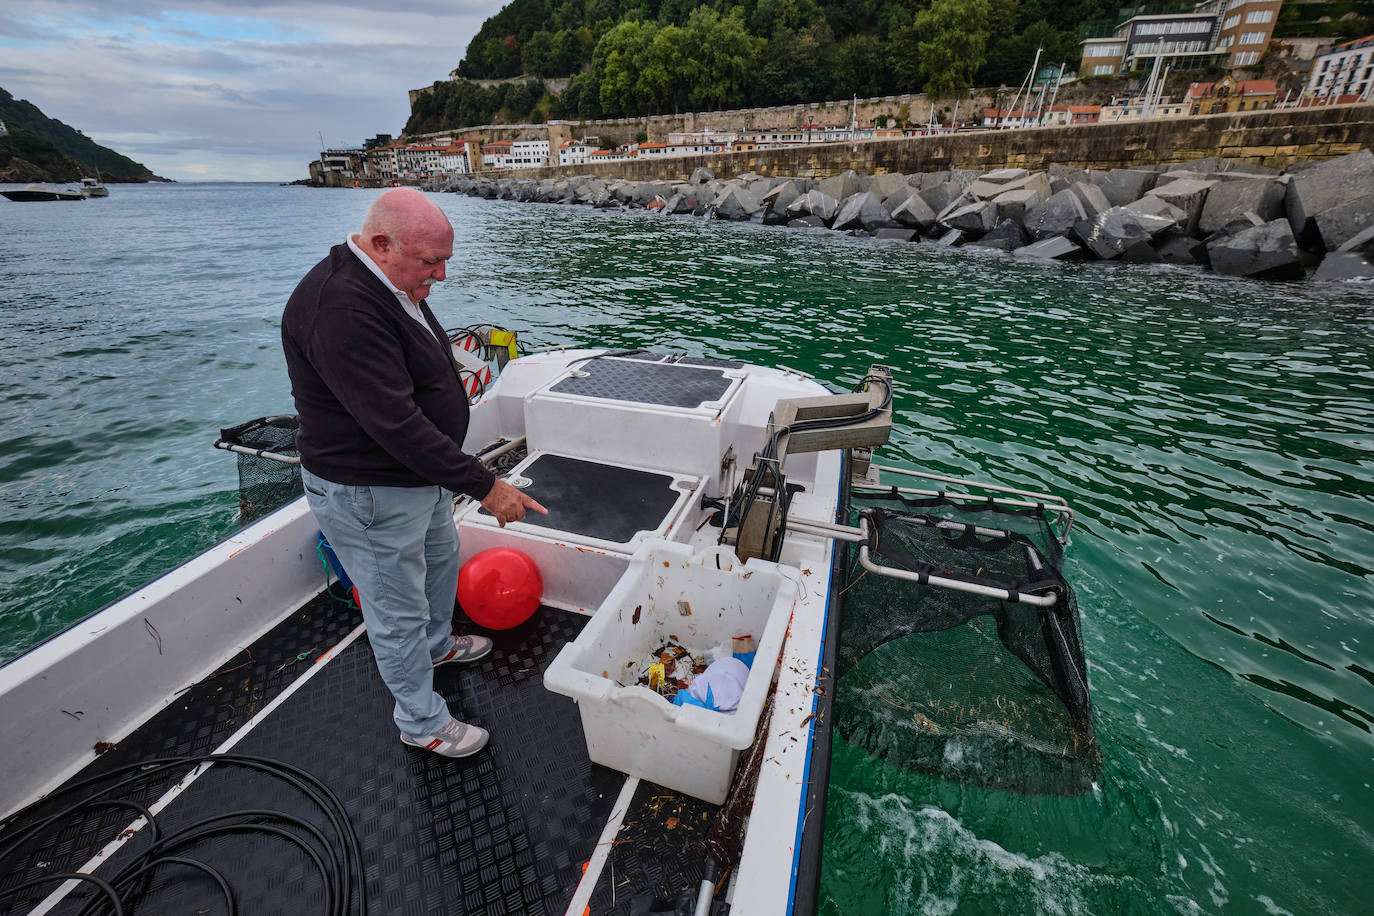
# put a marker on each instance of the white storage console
(639, 410)
(599, 514)
(697, 600)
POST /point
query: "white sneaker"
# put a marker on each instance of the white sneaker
(453, 739)
(464, 649)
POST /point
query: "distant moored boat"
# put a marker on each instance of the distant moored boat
(91, 187)
(38, 192)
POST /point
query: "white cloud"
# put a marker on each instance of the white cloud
(231, 91)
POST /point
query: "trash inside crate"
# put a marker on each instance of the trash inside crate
(670, 596)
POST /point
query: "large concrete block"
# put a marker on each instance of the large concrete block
(701, 175)
(1230, 199)
(1176, 248)
(844, 185)
(1188, 195)
(1092, 198)
(1344, 265)
(863, 211)
(1361, 241)
(1341, 223)
(736, 204)
(915, 214)
(1057, 248)
(1013, 204)
(1109, 234)
(1005, 236)
(1122, 186)
(896, 235)
(1056, 216)
(891, 201)
(806, 222)
(813, 203)
(776, 201)
(973, 219)
(1005, 176)
(1326, 186)
(1067, 172)
(939, 197)
(887, 184)
(1149, 205)
(1267, 252)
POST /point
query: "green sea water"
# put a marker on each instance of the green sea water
(1213, 435)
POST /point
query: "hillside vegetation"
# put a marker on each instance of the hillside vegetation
(634, 57)
(40, 148)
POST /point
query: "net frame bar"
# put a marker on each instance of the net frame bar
(256, 452)
(861, 537)
(1033, 500)
(1002, 594)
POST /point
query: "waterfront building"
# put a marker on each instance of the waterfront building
(1345, 70)
(1216, 33)
(380, 163)
(1245, 30)
(1138, 108)
(528, 154)
(1229, 94)
(458, 158)
(420, 160)
(341, 165)
(702, 138)
(575, 152)
(495, 154)
(1063, 115)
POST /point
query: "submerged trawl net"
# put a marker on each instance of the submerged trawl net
(971, 688)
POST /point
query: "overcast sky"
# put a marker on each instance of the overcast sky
(231, 90)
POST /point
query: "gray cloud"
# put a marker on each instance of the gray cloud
(224, 90)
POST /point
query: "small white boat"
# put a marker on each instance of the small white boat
(595, 791)
(34, 193)
(91, 187)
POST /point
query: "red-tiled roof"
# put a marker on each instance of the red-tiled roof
(1243, 87)
(1354, 42)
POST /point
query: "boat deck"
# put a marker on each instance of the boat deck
(508, 830)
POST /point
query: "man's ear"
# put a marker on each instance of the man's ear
(380, 241)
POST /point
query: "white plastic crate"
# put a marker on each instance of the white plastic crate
(631, 728)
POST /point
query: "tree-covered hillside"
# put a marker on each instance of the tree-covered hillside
(62, 152)
(632, 57)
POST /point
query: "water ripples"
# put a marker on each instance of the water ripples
(1213, 434)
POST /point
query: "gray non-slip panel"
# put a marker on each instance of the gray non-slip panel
(639, 382)
(597, 500)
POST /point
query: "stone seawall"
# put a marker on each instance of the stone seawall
(1273, 139)
(1238, 218)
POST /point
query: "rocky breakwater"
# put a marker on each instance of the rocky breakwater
(1314, 220)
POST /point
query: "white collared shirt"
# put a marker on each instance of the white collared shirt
(411, 308)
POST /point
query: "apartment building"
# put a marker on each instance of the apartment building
(528, 154)
(1345, 70)
(1217, 33)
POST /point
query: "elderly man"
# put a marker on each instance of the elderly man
(383, 415)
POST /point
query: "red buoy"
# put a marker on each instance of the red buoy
(500, 588)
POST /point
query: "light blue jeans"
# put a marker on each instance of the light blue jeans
(400, 547)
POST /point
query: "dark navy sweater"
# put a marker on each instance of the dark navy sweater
(379, 398)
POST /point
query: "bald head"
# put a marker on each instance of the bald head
(409, 238)
(402, 212)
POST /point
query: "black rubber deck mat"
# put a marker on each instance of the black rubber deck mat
(657, 854)
(598, 500)
(504, 831)
(640, 382)
(195, 723)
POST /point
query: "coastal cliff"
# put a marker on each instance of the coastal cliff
(35, 147)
